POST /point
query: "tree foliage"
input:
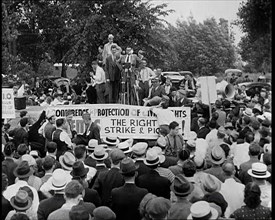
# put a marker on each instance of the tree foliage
(254, 17)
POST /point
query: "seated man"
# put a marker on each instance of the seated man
(155, 94)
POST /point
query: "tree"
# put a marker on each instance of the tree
(254, 17)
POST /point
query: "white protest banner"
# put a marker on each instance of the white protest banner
(124, 121)
(8, 109)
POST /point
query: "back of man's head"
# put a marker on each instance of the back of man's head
(9, 149)
(51, 147)
(73, 189)
(228, 169)
(189, 168)
(80, 151)
(22, 149)
(23, 122)
(249, 137)
(48, 163)
(59, 122)
(254, 149)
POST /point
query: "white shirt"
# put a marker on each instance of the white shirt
(164, 116)
(99, 75)
(13, 189)
(240, 153)
(91, 173)
(201, 147)
(265, 194)
(146, 74)
(233, 193)
(212, 135)
(64, 136)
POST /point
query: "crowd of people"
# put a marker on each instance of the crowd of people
(219, 170)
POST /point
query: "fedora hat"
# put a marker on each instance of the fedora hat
(209, 184)
(113, 141)
(67, 160)
(21, 201)
(58, 180)
(125, 146)
(23, 170)
(99, 153)
(139, 148)
(127, 165)
(160, 154)
(190, 136)
(248, 112)
(79, 170)
(259, 170)
(116, 155)
(92, 144)
(181, 186)
(30, 159)
(161, 142)
(217, 155)
(152, 158)
(202, 210)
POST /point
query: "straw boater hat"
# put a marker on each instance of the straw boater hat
(160, 153)
(58, 180)
(202, 210)
(111, 141)
(139, 148)
(181, 186)
(152, 158)
(259, 170)
(161, 142)
(190, 136)
(125, 146)
(248, 112)
(67, 160)
(217, 155)
(92, 144)
(21, 201)
(99, 153)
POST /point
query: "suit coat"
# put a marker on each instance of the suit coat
(142, 169)
(47, 206)
(105, 182)
(202, 132)
(126, 200)
(93, 132)
(169, 161)
(157, 92)
(92, 196)
(6, 207)
(112, 69)
(8, 166)
(155, 184)
(20, 136)
(134, 60)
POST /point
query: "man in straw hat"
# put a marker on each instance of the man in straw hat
(259, 174)
(138, 154)
(23, 172)
(202, 210)
(73, 196)
(152, 181)
(57, 183)
(181, 187)
(110, 179)
(126, 199)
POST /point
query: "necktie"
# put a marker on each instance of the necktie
(128, 59)
(175, 143)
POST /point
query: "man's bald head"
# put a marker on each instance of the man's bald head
(228, 169)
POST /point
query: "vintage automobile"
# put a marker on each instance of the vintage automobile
(253, 88)
(175, 77)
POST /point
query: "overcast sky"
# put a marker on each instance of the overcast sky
(202, 9)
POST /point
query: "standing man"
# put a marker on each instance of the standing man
(144, 78)
(174, 140)
(113, 75)
(107, 48)
(100, 80)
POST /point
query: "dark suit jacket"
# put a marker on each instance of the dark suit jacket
(8, 166)
(169, 161)
(202, 132)
(112, 69)
(47, 206)
(20, 136)
(155, 184)
(105, 182)
(135, 60)
(157, 92)
(93, 132)
(126, 200)
(142, 169)
(92, 196)
(6, 207)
